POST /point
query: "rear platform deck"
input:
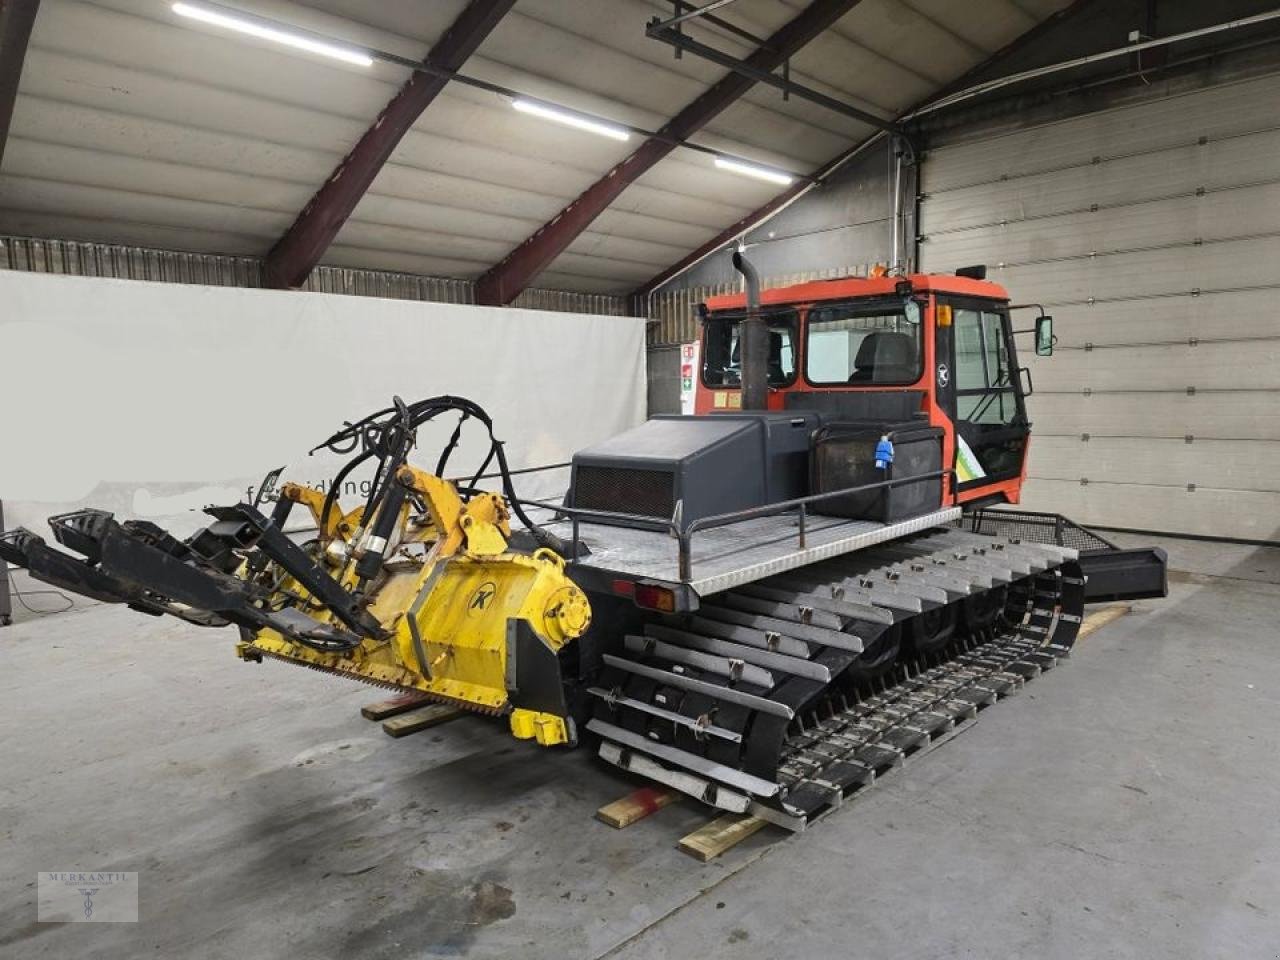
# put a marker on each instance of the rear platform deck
(738, 553)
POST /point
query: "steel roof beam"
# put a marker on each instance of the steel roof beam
(757, 217)
(296, 253)
(503, 282)
(705, 17)
(16, 19)
(694, 12)
(682, 42)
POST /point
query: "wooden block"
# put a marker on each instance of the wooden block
(720, 835)
(393, 707)
(1100, 618)
(431, 716)
(636, 806)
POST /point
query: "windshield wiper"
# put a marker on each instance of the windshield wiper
(993, 391)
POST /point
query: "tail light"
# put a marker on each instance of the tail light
(652, 597)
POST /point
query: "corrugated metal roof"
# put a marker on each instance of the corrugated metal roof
(134, 126)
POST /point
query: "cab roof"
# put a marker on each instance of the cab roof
(847, 288)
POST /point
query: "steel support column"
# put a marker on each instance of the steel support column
(296, 253)
(503, 283)
(16, 19)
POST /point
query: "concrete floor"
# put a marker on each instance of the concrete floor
(1123, 806)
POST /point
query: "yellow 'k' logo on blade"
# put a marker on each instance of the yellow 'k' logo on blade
(481, 599)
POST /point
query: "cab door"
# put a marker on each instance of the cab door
(978, 388)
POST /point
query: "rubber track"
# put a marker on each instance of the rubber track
(844, 732)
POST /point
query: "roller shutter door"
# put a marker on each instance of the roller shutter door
(1151, 232)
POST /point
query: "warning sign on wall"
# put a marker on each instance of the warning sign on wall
(689, 353)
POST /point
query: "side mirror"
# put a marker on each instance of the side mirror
(1044, 336)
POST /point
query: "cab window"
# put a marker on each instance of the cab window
(722, 354)
(864, 344)
(991, 424)
(984, 380)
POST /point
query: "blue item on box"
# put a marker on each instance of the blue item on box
(884, 453)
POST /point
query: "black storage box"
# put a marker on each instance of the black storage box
(843, 456)
(711, 464)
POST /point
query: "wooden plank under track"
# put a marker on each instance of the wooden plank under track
(721, 834)
(431, 716)
(393, 707)
(636, 806)
(1100, 618)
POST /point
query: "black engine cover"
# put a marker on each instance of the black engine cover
(711, 464)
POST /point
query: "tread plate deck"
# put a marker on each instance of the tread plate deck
(743, 552)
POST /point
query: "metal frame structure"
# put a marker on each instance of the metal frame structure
(685, 12)
(296, 253)
(961, 90)
(784, 199)
(678, 39)
(705, 11)
(503, 283)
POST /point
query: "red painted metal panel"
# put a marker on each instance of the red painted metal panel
(844, 288)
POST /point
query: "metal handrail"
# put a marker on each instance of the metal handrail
(684, 536)
(800, 504)
(514, 473)
(577, 514)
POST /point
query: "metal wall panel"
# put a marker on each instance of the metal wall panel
(1191, 170)
(674, 312)
(564, 301)
(1152, 232)
(1249, 415)
(89, 259)
(1220, 112)
(1204, 512)
(1177, 319)
(1185, 269)
(847, 220)
(1229, 464)
(663, 368)
(1207, 367)
(1183, 217)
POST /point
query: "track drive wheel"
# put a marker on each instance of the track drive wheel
(878, 658)
(982, 611)
(932, 630)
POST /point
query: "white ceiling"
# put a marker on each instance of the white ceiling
(133, 125)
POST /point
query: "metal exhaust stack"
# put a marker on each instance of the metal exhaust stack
(753, 341)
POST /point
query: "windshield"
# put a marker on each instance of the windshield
(721, 356)
(864, 343)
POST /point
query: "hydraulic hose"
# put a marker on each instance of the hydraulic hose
(388, 435)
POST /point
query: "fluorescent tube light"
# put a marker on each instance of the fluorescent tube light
(752, 170)
(263, 31)
(571, 119)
